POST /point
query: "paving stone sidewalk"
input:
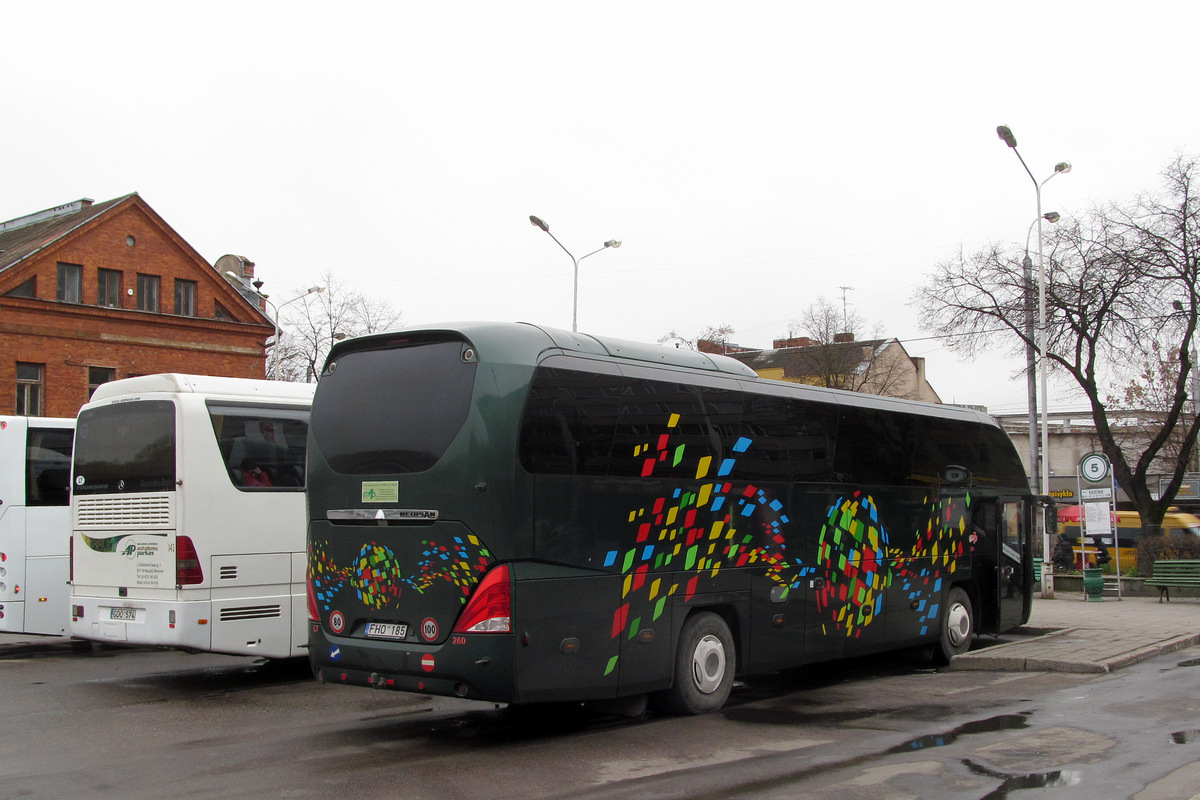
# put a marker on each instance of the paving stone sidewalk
(1071, 634)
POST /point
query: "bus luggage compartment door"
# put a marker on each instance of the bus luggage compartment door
(572, 651)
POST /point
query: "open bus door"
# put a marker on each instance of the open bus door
(1002, 565)
(1015, 524)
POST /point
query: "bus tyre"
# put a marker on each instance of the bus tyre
(957, 627)
(704, 666)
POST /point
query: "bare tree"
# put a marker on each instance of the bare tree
(823, 322)
(717, 334)
(309, 327)
(1145, 400)
(840, 359)
(1121, 291)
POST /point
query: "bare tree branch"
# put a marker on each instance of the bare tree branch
(309, 327)
(1121, 302)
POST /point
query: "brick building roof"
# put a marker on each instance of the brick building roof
(25, 236)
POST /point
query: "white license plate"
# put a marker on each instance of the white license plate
(128, 614)
(387, 630)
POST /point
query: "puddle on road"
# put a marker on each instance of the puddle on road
(1191, 662)
(1029, 780)
(1186, 737)
(1003, 722)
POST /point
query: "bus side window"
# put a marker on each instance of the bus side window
(267, 442)
(642, 432)
(568, 423)
(48, 461)
(875, 447)
(790, 440)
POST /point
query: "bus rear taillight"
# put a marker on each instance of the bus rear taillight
(490, 608)
(187, 563)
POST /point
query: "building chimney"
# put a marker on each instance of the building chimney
(843, 338)
(802, 341)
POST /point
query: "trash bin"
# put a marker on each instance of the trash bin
(1093, 584)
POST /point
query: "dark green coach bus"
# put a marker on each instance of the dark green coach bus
(519, 514)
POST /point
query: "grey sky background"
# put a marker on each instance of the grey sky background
(752, 158)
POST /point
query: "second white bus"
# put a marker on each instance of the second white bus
(35, 483)
(187, 515)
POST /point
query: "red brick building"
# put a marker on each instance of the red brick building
(91, 292)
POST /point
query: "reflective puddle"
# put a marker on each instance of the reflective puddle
(1031, 780)
(1004, 722)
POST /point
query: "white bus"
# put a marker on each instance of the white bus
(35, 496)
(187, 515)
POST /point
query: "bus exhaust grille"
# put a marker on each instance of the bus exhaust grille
(249, 612)
(128, 512)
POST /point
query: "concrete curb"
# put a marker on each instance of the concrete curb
(1052, 653)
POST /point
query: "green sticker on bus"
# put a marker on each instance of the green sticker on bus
(380, 491)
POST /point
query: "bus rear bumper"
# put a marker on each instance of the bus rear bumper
(476, 666)
(182, 625)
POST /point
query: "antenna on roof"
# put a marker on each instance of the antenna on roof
(845, 313)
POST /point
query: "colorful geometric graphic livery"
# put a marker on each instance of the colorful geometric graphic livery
(377, 575)
(692, 534)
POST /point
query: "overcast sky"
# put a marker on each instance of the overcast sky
(751, 157)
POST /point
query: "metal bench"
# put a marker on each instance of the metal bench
(1180, 573)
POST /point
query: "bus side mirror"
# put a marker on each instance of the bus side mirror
(1049, 510)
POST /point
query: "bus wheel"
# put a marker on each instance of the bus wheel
(704, 666)
(957, 627)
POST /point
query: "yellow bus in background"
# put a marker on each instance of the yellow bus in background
(1128, 526)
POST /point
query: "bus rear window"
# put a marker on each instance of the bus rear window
(392, 410)
(126, 447)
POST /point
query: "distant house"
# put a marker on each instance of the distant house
(91, 292)
(875, 366)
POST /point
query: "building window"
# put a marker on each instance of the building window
(221, 312)
(31, 383)
(108, 288)
(70, 283)
(26, 289)
(147, 292)
(97, 376)
(185, 298)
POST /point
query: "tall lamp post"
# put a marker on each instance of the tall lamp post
(247, 284)
(537, 223)
(1030, 363)
(1006, 135)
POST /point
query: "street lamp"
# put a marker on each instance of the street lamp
(1006, 135)
(537, 223)
(1030, 368)
(248, 285)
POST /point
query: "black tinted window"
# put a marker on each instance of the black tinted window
(874, 447)
(126, 447)
(262, 447)
(788, 440)
(392, 410)
(48, 463)
(583, 423)
(570, 421)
